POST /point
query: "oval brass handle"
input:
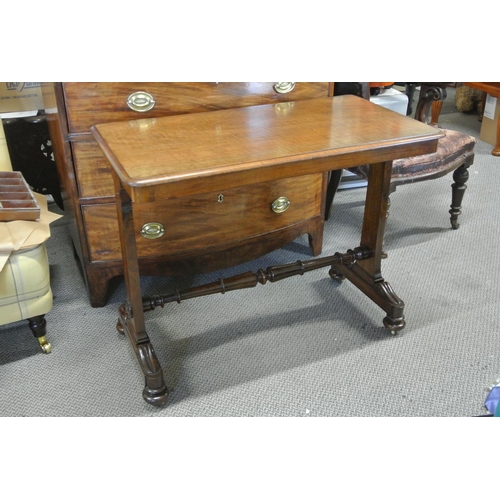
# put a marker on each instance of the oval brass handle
(284, 87)
(140, 102)
(152, 230)
(280, 204)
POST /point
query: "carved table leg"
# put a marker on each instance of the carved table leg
(131, 319)
(366, 273)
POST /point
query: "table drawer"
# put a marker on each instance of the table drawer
(91, 103)
(197, 223)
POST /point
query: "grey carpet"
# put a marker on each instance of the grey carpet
(306, 346)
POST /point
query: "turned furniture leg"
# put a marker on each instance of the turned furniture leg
(366, 274)
(38, 325)
(460, 176)
(131, 319)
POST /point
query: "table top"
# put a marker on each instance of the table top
(193, 153)
(492, 88)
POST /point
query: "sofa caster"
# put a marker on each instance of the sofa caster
(45, 345)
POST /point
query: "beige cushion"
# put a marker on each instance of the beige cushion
(25, 285)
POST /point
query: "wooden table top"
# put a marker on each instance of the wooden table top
(492, 88)
(186, 154)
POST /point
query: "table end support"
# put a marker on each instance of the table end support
(378, 290)
(155, 391)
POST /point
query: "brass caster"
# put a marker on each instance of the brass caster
(119, 328)
(44, 345)
(336, 276)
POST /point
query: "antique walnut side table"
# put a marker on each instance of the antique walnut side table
(214, 158)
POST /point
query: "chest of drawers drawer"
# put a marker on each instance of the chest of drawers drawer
(91, 103)
(92, 171)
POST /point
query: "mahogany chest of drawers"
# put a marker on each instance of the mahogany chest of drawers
(210, 232)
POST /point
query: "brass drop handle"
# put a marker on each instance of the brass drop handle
(152, 230)
(284, 87)
(280, 204)
(140, 102)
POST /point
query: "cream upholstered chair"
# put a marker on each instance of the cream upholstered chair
(25, 292)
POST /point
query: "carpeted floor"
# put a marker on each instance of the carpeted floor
(305, 346)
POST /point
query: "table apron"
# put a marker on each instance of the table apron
(232, 177)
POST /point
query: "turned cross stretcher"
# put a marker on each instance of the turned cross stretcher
(205, 158)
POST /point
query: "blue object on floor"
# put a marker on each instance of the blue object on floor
(491, 402)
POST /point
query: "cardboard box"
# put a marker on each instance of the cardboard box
(20, 96)
(489, 125)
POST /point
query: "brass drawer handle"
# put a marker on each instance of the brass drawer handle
(152, 230)
(140, 102)
(284, 87)
(280, 204)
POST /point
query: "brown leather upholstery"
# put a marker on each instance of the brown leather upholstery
(453, 149)
(455, 152)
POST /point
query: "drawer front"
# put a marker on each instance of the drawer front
(92, 169)
(196, 223)
(103, 237)
(91, 103)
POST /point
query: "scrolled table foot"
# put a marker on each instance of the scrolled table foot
(394, 325)
(378, 290)
(155, 391)
(155, 397)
